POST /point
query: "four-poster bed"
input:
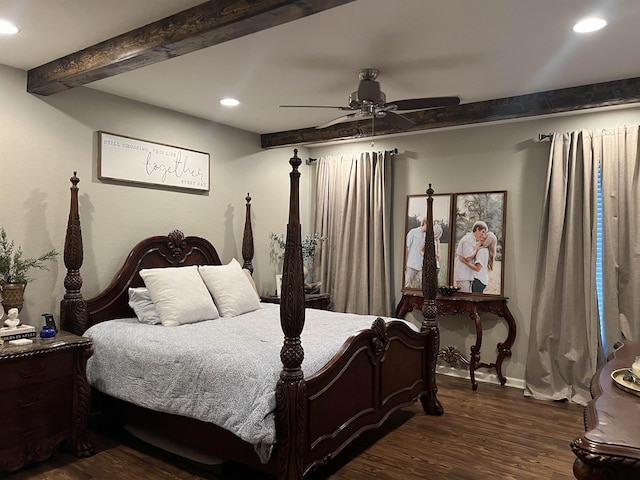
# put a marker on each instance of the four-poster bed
(375, 372)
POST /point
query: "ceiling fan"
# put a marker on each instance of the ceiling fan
(370, 102)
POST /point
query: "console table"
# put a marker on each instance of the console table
(610, 447)
(471, 304)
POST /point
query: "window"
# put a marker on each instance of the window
(599, 266)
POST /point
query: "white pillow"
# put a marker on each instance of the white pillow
(247, 272)
(179, 295)
(141, 303)
(231, 289)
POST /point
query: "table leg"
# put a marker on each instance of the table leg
(407, 304)
(504, 348)
(474, 361)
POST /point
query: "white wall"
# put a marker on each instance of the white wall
(43, 140)
(485, 158)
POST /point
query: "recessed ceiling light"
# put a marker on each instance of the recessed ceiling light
(8, 28)
(589, 25)
(229, 102)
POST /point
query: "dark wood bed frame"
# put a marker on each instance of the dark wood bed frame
(375, 373)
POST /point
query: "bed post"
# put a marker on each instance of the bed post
(291, 387)
(73, 308)
(430, 402)
(247, 238)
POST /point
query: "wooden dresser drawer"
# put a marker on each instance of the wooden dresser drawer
(18, 373)
(36, 399)
(31, 429)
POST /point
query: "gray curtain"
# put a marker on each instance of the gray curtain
(353, 212)
(621, 219)
(564, 341)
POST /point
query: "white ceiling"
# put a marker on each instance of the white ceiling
(477, 49)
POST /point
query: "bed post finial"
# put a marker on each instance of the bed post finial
(430, 191)
(295, 160)
(247, 237)
(73, 308)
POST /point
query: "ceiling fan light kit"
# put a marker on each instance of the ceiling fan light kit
(369, 101)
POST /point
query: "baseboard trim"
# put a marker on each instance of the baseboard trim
(481, 376)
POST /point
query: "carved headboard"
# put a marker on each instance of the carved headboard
(172, 250)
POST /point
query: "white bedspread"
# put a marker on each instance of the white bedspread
(222, 371)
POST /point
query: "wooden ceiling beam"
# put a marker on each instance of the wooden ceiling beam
(202, 26)
(596, 95)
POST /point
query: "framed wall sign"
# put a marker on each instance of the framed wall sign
(415, 218)
(479, 238)
(133, 160)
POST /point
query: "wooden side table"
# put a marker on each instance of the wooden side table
(472, 305)
(45, 399)
(319, 301)
(610, 446)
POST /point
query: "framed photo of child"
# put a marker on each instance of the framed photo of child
(477, 260)
(414, 239)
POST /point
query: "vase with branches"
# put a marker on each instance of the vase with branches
(310, 243)
(14, 269)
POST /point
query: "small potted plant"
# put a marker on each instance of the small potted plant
(310, 243)
(14, 269)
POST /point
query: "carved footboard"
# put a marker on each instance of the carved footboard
(380, 371)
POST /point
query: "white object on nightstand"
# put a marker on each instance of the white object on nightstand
(21, 341)
(635, 368)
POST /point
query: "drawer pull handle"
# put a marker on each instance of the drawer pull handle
(34, 373)
(22, 404)
(29, 433)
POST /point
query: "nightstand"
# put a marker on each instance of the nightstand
(45, 399)
(319, 301)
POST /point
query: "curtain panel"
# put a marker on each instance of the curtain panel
(566, 324)
(352, 211)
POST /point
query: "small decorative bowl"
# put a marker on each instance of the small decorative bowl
(448, 291)
(310, 288)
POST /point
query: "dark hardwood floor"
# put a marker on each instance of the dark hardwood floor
(492, 433)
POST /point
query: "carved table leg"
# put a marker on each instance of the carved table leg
(407, 304)
(474, 361)
(504, 348)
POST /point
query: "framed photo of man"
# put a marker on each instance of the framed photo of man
(415, 231)
(477, 260)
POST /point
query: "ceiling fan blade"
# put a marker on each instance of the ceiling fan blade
(316, 106)
(395, 120)
(424, 103)
(345, 118)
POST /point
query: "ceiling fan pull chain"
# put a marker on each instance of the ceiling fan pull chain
(373, 131)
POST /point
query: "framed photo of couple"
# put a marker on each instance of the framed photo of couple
(479, 228)
(415, 231)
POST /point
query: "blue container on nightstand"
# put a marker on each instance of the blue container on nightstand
(47, 332)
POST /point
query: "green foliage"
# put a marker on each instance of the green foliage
(309, 244)
(13, 267)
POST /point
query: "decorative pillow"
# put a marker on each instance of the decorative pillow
(141, 303)
(179, 295)
(231, 289)
(247, 272)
